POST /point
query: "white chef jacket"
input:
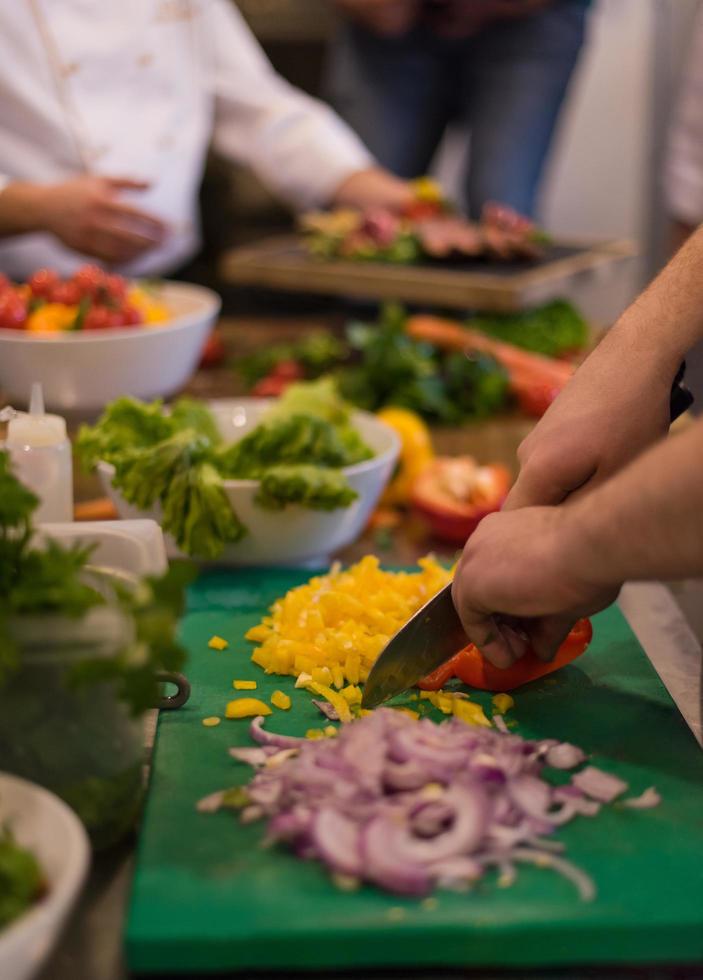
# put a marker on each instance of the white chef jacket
(683, 175)
(139, 88)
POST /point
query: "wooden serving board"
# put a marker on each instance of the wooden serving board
(283, 263)
(206, 897)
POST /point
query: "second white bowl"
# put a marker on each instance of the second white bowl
(41, 822)
(295, 535)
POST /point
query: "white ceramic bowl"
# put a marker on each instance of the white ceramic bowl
(81, 371)
(42, 822)
(295, 535)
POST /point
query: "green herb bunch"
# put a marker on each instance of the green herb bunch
(50, 579)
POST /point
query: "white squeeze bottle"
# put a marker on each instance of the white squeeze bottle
(41, 458)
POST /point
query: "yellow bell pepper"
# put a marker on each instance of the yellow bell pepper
(280, 700)
(52, 317)
(502, 703)
(246, 708)
(415, 453)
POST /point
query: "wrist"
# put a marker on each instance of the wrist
(24, 208)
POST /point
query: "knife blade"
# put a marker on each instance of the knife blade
(434, 634)
(425, 642)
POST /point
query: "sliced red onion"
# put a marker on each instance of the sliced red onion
(582, 881)
(383, 865)
(645, 801)
(338, 841)
(260, 735)
(410, 805)
(501, 724)
(327, 709)
(564, 756)
(599, 785)
(250, 756)
(211, 803)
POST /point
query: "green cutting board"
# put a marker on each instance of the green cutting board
(206, 897)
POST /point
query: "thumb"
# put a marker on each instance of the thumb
(547, 634)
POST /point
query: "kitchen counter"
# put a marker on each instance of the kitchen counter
(91, 946)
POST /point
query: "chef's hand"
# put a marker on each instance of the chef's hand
(86, 213)
(520, 580)
(388, 18)
(371, 188)
(614, 407)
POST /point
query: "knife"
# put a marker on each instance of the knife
(434, 633)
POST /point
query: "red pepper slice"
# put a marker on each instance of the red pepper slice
(451, 518)
(470, 666)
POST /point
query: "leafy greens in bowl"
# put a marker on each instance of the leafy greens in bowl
(249, 481)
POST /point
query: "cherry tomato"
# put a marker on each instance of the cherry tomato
(115, 286)
(13, 311)
(5, 284)
(43, 282)
(97, 318)
(89, 279)
(475, 671)
(67, 293)
(131, 316)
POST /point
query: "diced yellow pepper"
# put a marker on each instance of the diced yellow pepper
(351, 694)
(330, 731)
(314, 733)
(257, 634)
(471, 713)
(217, 643)
(502, 703)
(322, 675)
(211, 722)
(280, 700)
(336, 700)
(409, 712)
(244, 685)
(246, 708)
(338, 676)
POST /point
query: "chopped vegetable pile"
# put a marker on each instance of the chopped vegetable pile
(176, 458)
(21, 880)
(91, 299)
(341, 621)
(413, 363)
(411, 806)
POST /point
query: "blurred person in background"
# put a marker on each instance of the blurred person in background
(401, 71)
(683, 176)
(106, 113)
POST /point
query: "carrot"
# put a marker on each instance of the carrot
(521, 364)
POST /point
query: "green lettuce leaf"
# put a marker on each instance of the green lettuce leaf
(310, 486)
(197, 513)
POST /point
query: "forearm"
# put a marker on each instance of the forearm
(646, 522)
(666, 321)
(21, 208)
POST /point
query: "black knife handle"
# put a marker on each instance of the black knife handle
(681, 398)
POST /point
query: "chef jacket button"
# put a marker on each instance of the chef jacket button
(145, 60)
(70, 68)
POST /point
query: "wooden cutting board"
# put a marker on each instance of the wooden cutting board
(207, 898)
(284, 263)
